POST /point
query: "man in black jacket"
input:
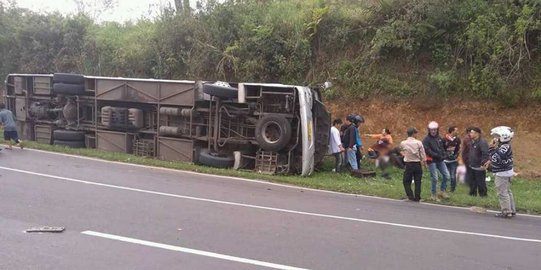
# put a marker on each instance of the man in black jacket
(435, 153)
(477, 158)
(349, 142)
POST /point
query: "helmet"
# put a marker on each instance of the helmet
(223, 84)
(433, 125)
(358, 119)
(350, 117)
(503, 133)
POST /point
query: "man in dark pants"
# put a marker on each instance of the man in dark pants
(10, 127)
(477, 158)
(414, 156)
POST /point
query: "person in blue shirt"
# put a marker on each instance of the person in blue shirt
(358, 120)
(10, 126)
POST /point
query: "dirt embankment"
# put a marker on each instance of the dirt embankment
(398, 116)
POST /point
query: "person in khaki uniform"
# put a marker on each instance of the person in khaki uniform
(414, 158)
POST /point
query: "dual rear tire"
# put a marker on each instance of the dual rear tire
(69, 138)
(68, 84)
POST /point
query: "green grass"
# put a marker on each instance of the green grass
(527, 193)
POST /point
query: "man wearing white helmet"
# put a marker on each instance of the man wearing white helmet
(435, 154)
(501, 163)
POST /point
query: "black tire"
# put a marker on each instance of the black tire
(69, 89)
(68, 135)
(273, 132)
(70, 144)
(68, 78)
(215, 160)
(220, 91)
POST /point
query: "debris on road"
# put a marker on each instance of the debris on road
(477, 209)
(46, 229)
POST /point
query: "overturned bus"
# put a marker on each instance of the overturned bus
(270, 128)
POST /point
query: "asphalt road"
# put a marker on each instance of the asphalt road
(121, 216)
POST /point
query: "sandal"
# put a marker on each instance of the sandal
(503, 215)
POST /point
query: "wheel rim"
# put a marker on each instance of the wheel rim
(272, 132)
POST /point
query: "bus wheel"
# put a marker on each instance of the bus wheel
(273, 132)
(216, 160)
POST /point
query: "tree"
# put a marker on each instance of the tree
(94, 8)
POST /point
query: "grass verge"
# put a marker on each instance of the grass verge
(527, 193)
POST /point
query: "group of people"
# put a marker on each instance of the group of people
(440, 154)
(346, 146)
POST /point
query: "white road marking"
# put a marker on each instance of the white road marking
(275, 209)
(255, 181)
(191, 251)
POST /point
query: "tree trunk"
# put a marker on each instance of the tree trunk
(187, 8)
(178, 6)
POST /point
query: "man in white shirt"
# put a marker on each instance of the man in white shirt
(414, 159)
(335, 144)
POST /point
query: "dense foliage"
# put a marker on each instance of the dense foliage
(392, 48)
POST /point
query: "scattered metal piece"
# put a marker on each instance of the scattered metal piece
(46, 229)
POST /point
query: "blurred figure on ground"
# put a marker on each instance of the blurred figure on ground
(461, 172)
(477, 157)
(10, 127)
(336, 144)
(452, 148)
(380, 150)
(435, 153)
(501, 164)
(414, 159)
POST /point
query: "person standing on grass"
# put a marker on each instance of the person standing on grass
(358, 120)
(477, 158)
(435, 153)
(10, 126)
(336, 144)
(452, 147)
(349, 142)
(501, 163)
(464, 154)
(414, 159)
(347, 123)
